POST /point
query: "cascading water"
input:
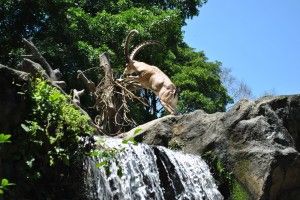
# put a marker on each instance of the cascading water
(145, 172)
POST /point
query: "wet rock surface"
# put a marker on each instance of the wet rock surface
(258, 141)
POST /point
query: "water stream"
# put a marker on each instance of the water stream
(142, 172)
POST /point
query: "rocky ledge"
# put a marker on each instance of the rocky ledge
(257, 141)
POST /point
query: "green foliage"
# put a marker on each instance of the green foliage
(106, 155)
(44, 156)
(137, 131)
(55, 125)
(4, 138)
(71, 34)
(130, 140)
(200, 83)
(53, 136)
(238, 191)
(227, 183)
(4, 185)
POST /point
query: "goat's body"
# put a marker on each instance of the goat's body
(151, 77)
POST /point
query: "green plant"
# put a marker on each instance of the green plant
(86, 28)
(4, 185)
(55, 123)
(137, 131)
(4, 138)
(47, 148)
(132, 140)
(227, 183)
(106, 154)
(54, 135)
(238, 191)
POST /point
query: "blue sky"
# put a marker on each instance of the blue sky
(258, 40)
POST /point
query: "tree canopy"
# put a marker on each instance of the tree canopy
(72, 33)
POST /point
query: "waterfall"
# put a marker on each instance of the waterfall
(143, 172)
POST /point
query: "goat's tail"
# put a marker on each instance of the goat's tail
(127, 41)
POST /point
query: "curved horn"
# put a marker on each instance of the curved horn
(127, 40)
(141, 46)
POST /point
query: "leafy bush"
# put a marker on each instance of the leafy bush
(44, 157)
(4, 138)
(55, 125)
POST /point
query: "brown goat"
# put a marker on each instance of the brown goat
(149, 76)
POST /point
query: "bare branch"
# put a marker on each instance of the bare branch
(40, 59)
(35, 69)
(76, 96)
(90, 85)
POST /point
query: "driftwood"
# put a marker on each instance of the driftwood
(76, 96)
(111, 101)
(90, 85)
(41, 68)
(37, 56)
(110, 96)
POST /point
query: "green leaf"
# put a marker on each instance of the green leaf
(137, 131)
(130, 141)
(4, 137)
(4, 182)
(102, 164)
(25, 128)
(95, 153)
(120, 172)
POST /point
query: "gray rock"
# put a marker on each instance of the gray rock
(257, 140)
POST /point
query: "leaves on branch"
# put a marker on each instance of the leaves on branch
(110, 96)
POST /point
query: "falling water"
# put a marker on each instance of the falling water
(144, 172)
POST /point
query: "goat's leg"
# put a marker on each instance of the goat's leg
(168, 107)
(129, 79)
(132, 79)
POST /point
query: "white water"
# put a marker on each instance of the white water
(144, 172)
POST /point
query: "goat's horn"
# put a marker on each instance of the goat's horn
(127, 40)
(141, 46)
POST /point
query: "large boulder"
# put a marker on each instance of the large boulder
(258, 141)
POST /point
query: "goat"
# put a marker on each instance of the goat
(149, 76)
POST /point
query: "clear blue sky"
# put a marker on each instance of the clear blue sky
(258, 40)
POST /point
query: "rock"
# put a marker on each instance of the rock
(258, 141)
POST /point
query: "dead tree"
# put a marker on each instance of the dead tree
(35, 56)
(110, 95)
(111, 99)
(37, 65)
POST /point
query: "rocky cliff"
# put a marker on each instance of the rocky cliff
(257, 141)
